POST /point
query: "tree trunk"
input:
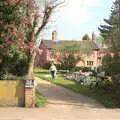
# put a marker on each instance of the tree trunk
(31, 66)
(31, 58)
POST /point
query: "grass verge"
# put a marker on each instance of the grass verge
(40, 100)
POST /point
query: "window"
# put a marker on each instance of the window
(89, 63)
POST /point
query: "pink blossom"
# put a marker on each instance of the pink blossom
(12, 2)
(8, 42)
(24, 20)
(1, 21)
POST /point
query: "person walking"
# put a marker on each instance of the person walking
(53, 71)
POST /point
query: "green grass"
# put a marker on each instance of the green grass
(40, 100)
(101, 96)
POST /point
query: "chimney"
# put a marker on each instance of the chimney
(54, 35)
(93, 37)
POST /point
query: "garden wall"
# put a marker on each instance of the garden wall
(12, 93)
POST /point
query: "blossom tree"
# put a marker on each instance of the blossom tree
(21, 22)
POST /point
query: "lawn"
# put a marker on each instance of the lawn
(99, 95)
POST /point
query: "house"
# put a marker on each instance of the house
(50, 52)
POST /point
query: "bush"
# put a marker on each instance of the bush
(109, 91)
(68, 62)
(47, 65)
(20, 68)
(15, 64)
(58, 66)
(3, 75)
(116, 80)
(111, 65)
(83, 69)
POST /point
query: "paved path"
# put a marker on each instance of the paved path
(63, 105)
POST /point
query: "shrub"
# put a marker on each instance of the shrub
(3, 75)
(83, 69)
(15, 64)
(116, 80)
(111, 64)
(47, 65)
(68, 62)
(58, 66)
(20, 68)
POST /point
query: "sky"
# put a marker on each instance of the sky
(79, 17)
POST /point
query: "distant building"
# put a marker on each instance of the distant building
(49, 47)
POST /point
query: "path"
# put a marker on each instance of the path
(63, 105)
(57, 95)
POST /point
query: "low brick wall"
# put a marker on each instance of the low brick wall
(12, 93)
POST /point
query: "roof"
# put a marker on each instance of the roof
(63, 43)
(71, 46)
(104, 50)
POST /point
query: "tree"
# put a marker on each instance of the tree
(21, 22)
(86, 37)
(38, 23)
(111, 65)
(12, 33)
(111, 30)
(111, 35)
(71, 55)
(68, 61)
(107, 64)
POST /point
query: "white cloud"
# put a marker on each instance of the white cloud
(78, 11)
(77, 16)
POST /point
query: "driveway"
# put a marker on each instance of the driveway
(57, 95)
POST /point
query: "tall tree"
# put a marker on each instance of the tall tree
(111, 30)
(111, 34)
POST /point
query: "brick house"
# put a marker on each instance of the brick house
(48, 46)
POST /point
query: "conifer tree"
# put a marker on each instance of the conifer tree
(111, 30)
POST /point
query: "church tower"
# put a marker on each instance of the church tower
(54, 36)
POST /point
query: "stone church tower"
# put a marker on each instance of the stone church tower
(54, 35)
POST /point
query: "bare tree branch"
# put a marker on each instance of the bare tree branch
(47, 13)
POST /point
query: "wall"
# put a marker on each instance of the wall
(93, 57)
(11, 93)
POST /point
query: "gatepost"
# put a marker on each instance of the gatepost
(29, 93)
